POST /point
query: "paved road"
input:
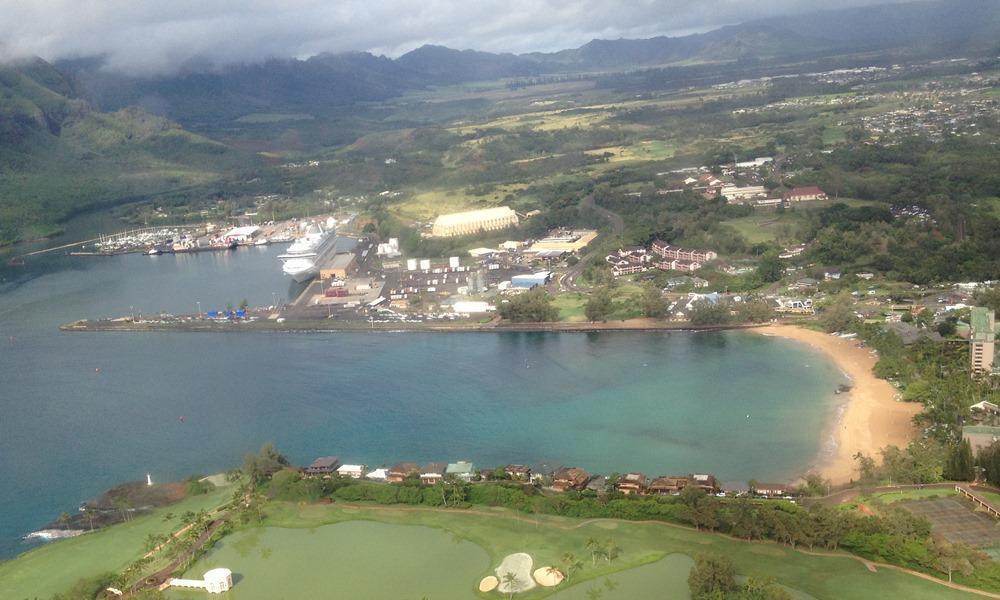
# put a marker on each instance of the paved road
(567, 282)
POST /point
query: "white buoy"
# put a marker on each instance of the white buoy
(149, 480)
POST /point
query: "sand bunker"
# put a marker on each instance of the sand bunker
(488, 584)
(519, 565)
(548, 576)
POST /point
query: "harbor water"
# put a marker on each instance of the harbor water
(85, 411)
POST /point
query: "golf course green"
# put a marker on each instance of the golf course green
(337, 551)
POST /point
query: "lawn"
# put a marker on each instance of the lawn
(499, 532)
(570, 307)
(56, 566)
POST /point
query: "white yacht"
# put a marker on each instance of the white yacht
(302, 259)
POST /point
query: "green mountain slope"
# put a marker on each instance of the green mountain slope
(59, 157)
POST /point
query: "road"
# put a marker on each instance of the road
(567, 282)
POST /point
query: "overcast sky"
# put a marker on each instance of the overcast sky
(158, 36)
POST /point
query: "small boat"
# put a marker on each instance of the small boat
(261, 242)
(153, 252)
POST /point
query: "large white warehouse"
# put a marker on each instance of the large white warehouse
(474, 221)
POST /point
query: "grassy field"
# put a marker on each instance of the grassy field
(56, 566)
(570, 307)
(890, 497)
(640, 571)
(767, 224)
(645, 150)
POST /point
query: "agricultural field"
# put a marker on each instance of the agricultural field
(654, 558)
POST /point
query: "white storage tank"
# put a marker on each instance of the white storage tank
(453, 262)
(411, 264)
(425, 264)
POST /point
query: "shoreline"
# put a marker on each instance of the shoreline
(870, 418)
(332, 326)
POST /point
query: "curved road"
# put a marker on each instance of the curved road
(567, 282)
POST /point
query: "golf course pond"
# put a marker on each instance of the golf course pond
(365, 559)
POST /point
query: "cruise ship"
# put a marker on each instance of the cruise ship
(302, 259)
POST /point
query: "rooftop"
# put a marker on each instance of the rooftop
(472, 216)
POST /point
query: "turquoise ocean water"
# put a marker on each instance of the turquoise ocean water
(662, 403)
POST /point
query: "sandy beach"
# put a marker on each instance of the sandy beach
(871, 418)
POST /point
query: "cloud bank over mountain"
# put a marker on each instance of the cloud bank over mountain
(150, 37)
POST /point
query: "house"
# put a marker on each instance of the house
(570, 478)
(324, 465)
(772, 490)
(402, 471)
(866, 276)
(633, 483)
(804, 283)
(696, 282)
(667, 486)
(986, 407)
(705, 482)
(665, 250)
(378, 475)
(598, 484)
(352, 471)
(792, 251)
(801, 194)
(518, 472)
(741, 193)
(679, 264)
(432, 473)
(461, 470)
(831, 274)
(627, 261)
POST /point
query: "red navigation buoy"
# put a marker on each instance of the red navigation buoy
(97, 370)
(182, 418)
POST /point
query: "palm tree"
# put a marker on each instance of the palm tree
(595, 548)
(63, 520)
(90, 513)
(571, 564)
(595, 593)
(612, 551)
(510, 582)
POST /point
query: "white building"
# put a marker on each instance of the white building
(352, 471)
(389, 249)
(216, 581)
(378, 475)
(474, 221)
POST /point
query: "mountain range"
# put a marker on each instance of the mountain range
(199, 93)
(67, 130)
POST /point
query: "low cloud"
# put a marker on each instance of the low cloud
(153, 37)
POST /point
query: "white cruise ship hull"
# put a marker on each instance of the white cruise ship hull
(302, 261)
(300, 269)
